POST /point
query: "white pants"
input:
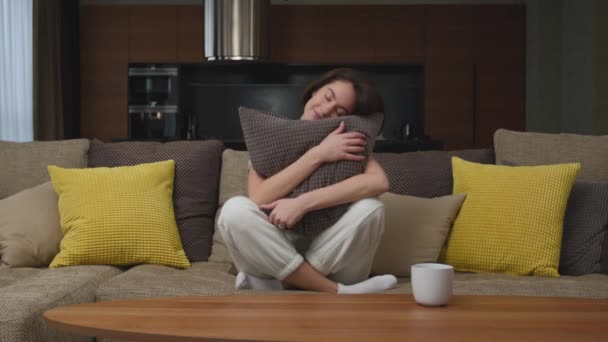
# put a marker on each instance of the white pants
(343, 252)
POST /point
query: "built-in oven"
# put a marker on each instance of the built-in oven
(153, 84)
(154, 102)
(155, 123)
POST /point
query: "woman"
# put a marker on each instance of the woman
(338, 260)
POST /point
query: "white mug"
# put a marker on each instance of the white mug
(432, 283)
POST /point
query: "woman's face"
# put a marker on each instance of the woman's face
(333, 99)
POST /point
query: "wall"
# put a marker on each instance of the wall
(577, 67)
(566, 76)
(600, 67)
(543, 65)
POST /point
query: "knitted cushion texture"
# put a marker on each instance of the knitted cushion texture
(275, 142)
(512, 219)
(585, 228)
(195, 192)
(426, 173)
(118, 216)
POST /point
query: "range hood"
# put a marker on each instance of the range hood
(236, 30)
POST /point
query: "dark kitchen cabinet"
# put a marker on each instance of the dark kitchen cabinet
(475, 73)
(449, 76)
(104, 57)
(166, 34)
(347, 34)
(190, 34)
(398, 34)
(112, 36)
(473, 56)
(297, 35)
(499, 62)
(152, 34)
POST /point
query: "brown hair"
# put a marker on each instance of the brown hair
(368, 100)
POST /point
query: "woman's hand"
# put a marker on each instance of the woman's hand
(341, 146)
(285, 213)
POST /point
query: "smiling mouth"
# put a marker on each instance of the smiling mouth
(316, 114)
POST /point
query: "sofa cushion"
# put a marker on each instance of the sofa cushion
(585, 228)
(523, 148)
(29, 227)
(426, 173)
(429, 172)
(604, 257)
(587, 286)
(233, 179)
(512, 219)
(233, 182)
(118, 216)
(148, 281)
(275, 142)
(26, 293)
(197, 169)
(24, 164)
(415, 229)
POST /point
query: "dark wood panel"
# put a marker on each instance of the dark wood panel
(103, 71)
(298, 33)
(449, 76)
(499, 33)
(152, 33)
(500, 100)
(347, 34)
(399, 33)
(190, 34)
(499, 57)
(449, 105)
(106, 117)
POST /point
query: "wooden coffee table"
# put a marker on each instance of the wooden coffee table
(305, 317)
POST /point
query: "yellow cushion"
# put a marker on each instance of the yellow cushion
(118, 216)
(512, 219)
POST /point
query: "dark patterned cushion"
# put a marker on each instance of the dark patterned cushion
(585, 228)
(275, 142)
(195, 195)
(604, 257)
(428, 173)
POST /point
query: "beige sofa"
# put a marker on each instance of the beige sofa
(26, 293)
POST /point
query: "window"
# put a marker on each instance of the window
(16, 84)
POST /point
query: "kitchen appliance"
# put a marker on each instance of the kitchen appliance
(153, 112)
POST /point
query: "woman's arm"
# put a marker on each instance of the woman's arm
(265, 190)
(336, 146)
(289, 211)
(371, 183)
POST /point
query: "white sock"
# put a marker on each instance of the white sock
(246, 281)
(371, 285)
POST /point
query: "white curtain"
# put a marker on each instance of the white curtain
(16, 98)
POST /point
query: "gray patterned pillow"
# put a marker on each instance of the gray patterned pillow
(427, 173)
(275, 142)
(585, 229)
(604, 257)
(195, 190)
